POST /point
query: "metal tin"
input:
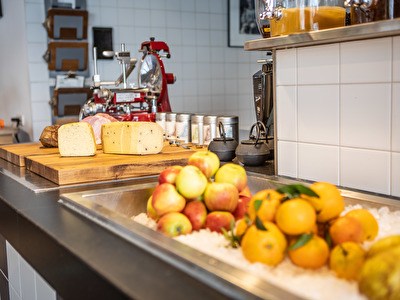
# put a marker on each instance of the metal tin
(210, 129)
(197, 129)
(231, 126)
(183, 127)
(161, 120)
(170, 126)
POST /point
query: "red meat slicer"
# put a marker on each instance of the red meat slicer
(138, 103)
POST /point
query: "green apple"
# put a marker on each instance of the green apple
(191, 182)
(165, 199)
(173, 224)
(196, 212)
(219, 219)
(232, 173)
(208, 162)
(221, 196)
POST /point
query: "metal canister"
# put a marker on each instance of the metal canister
(183, 127)
(197, 129)
(161, 120)
(210, 129)
(231, 126)
(170, 124)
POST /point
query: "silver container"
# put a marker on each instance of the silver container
(161, 118)
(210, 129)
(197, 129)
(183, 127)
(170, 124)
(231, 126)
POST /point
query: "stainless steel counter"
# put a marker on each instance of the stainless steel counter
(327, 36)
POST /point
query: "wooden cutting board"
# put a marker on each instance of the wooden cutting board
(72, 170)
(16, 153)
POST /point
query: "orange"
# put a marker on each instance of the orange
(241, 227)
(346, 229)
(330, 203)
(312, 255)
(266, 203)
(295, 216)
(368, 222)
(346, 260)
(262, 246)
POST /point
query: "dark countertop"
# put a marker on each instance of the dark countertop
(80, 258)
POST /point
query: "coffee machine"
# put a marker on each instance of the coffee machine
(263, 87)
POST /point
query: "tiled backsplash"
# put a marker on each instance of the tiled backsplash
(338, 114)
(211, 77)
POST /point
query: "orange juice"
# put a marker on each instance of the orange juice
(296, 20)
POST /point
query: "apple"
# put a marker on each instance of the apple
(165, 199)
(151, 212)
(219, 219)
(208, 162)
(169, 174)
(221, 196)
(173, 224)
(196, 212)
(245, 192)
(242, 207)
(232, 173)
(191, 182)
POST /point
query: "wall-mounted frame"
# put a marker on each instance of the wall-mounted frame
(242, 25)
(1, 10)
(103, 41)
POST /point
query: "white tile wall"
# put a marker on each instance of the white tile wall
(196, 32)
(338, 114)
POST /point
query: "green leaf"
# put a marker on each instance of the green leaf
(260, 225)
(301, 241)
(328, 240)
(257, 204)
(295, 190)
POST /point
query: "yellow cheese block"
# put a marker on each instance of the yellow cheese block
(76, 139)
(132, 138)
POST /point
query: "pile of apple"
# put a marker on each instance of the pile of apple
(201, 194)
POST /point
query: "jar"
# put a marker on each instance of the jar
(297, 16)
(170, 123)
(210, 129)
(197, 130)
(231, 126)
(161, 120)
(183, 127)
(372, 11)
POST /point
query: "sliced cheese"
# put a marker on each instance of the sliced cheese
(132, 138)
(76, 139)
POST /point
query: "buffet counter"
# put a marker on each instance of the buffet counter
(78, 258)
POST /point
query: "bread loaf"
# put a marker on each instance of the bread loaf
(132, 138)
(76, 139)
(49, 136)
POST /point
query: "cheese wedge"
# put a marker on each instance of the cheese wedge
(132, 138)
(76, 139)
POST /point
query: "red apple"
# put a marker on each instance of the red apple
(245, 192)
(169, 175)
(207, 161)
(166, 199)
(219, 219)
(151, 212)
(221, 196)
(191, 182)
(173, 224)
(241, 208)
(232, 173)
(196, 212)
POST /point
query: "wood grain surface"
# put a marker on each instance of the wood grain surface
(102, 166)
(16, 153)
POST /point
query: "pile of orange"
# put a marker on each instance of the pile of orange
(306, 224)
